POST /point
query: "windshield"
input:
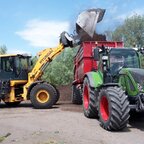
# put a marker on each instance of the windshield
(121, 57)
(6, 64)
(22, 63)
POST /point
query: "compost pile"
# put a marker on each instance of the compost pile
(96, 37)
(65, 92)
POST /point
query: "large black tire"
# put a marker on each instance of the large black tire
(76, 96)
(12, 104)
(43, 96)
(113, 108)
(89, 100)
(57, 94)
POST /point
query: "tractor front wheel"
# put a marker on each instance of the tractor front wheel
(43, 96)
(113, 108)
(89, 100)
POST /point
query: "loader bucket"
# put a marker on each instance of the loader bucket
(87, 21)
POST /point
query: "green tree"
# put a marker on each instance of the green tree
(60, 71)
(3, 49)
(131, 32)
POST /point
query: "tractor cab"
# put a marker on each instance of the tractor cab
(123, 58)
(122, 66)
(14, 67)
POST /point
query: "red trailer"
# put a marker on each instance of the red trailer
(84, 62)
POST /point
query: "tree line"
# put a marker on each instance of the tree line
(60, 70)
(3, 49)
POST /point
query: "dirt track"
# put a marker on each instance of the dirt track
(63, 124)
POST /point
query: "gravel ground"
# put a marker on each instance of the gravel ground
(63, 124)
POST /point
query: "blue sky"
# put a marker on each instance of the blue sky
(28, 26)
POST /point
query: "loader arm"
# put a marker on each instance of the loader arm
(45, 57)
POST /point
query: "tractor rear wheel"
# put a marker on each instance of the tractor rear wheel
(89, 100)
(113, 108)
(43, 96)
(76, 97)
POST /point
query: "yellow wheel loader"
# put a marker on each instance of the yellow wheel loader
(19, 83)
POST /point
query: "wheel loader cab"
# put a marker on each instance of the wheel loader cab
(14, 67)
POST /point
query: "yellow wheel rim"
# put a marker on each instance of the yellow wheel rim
(42, 96)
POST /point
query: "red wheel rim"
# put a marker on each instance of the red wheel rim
(104, 108)
(86, 98)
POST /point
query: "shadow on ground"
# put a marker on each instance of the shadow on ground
(137, 120)
(63, 105)
(25, 105)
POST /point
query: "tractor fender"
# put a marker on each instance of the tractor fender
(95, 79)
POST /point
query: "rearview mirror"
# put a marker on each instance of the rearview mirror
(96, 54)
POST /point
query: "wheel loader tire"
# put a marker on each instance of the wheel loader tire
(57, 94)
(113, 108)
(76, 96)
(89, 100)
(43, 96)
(12, 104)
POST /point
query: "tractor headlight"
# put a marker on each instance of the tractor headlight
(140, 88)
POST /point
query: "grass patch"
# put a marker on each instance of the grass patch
(2, 138)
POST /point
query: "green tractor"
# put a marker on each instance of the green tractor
(115, 88)
(108, 79)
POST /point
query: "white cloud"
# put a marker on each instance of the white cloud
(41, 33)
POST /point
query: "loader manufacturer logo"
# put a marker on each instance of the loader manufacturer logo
(46, 56)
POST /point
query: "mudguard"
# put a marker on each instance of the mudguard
(95, 79)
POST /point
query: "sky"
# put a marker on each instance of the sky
(29, 26)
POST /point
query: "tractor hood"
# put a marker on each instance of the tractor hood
(137, 74)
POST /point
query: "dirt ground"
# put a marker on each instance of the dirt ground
(63, 124)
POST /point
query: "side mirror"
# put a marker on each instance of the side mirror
(142, 51)
(96, 54)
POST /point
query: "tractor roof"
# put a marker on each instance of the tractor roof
(15, 55)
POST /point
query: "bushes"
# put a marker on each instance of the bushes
(60, 70)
